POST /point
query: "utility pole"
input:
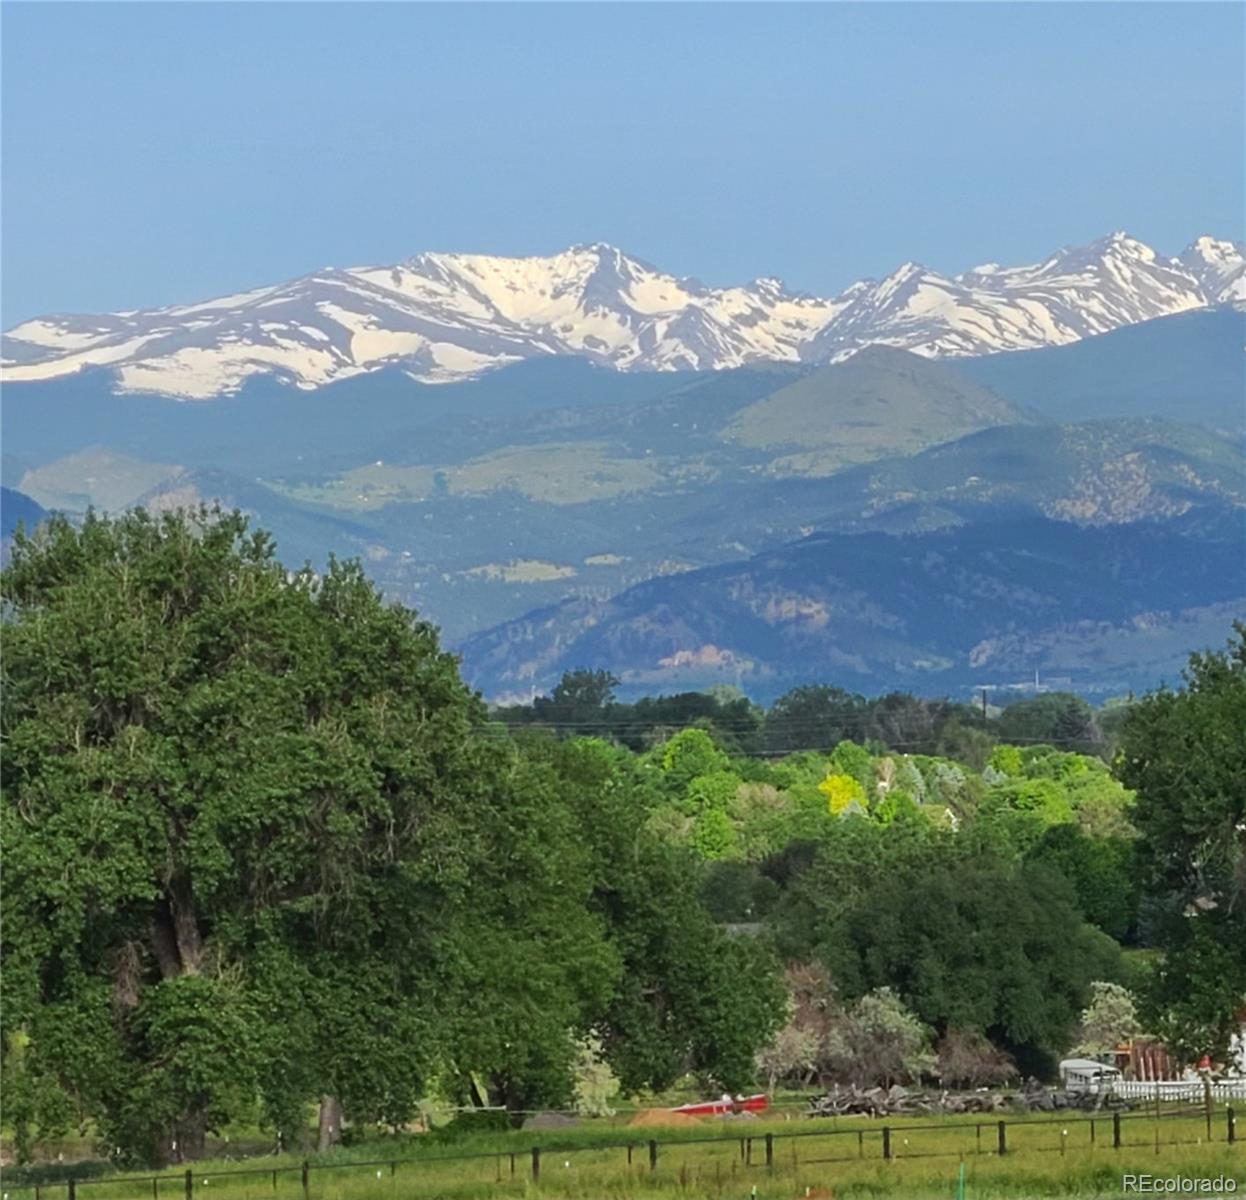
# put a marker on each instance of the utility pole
(984, 706)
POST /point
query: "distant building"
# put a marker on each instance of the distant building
(1145, 1059)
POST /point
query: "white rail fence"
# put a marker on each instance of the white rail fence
(1177, 1089)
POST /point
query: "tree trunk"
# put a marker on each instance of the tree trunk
(190, 1136)
(178, 949)
(175, 937)
(185, 924)
(330, 1122)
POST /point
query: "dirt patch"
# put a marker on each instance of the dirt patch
(656, 1118)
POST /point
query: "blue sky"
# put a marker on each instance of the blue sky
(156, 153)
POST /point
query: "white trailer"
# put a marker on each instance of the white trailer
(1085, 1075)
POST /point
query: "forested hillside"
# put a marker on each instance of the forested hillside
(880, 612)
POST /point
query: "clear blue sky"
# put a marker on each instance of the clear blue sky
(156, 153)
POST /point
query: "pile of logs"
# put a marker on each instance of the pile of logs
(1034, 1097)
(901, 1101)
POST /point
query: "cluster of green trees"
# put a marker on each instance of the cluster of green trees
(989, 901)
(264, 850)
(815, 716)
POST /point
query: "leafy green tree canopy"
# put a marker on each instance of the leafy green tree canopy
(1184, 753)
(1060, 718)
(213, 769)
(968, 942)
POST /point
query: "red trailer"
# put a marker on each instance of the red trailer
(726, 1106)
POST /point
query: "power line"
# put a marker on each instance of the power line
(863, 721)
(859, 722)
(501, 730)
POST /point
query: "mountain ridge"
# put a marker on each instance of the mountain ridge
(1105, 608)
(443, 317)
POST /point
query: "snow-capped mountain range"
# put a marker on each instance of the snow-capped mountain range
(441, 317)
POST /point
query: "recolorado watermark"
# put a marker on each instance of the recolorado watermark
(1179, 1185)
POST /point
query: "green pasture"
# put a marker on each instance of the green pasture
(1064, 1156)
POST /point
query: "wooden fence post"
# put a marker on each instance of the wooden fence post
(73, 1189)
(536, 1163)
(653, 1154)
(1230, 1124)
(190, 1183)
(1003, 1137)
(770, 1151)
(306, 1180)
(1116, 1131)
(886, 1142)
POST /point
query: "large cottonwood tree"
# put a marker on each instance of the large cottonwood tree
(248, 822)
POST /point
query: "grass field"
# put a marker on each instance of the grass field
(1045, 1157)
(553, 473)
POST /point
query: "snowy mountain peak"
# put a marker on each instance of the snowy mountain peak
(1219, 266)
(1123, 243)
(1124, 239)
(442, 316)
(1213, 249)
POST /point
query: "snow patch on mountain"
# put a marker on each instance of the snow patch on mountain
(442, 317)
